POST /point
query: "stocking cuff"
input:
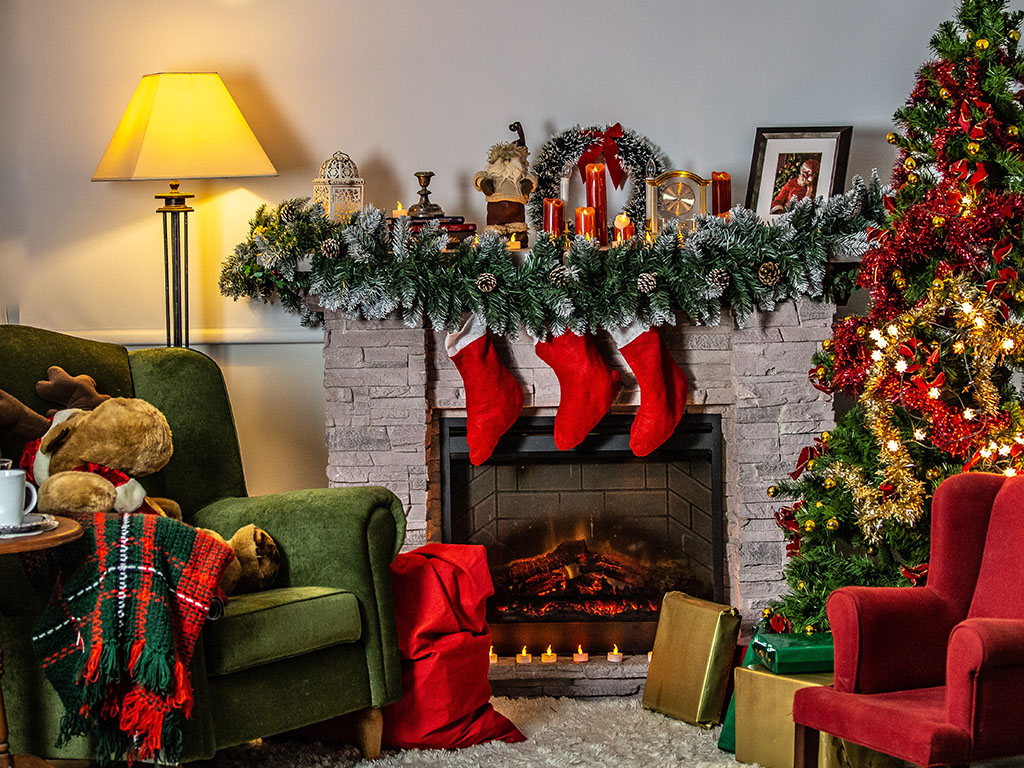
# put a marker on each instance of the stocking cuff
(624, 334)
(473, 327)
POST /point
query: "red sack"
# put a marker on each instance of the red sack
(440, 593)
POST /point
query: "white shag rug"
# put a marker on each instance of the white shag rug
(561, 733)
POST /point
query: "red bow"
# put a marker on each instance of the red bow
(963, 172)
(1002, 249)
(807, 453)
(603, 142)
(916, 575)
(780, 624)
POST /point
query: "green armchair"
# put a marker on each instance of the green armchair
(321, 644)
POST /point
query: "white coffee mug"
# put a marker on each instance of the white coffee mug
(12, 496)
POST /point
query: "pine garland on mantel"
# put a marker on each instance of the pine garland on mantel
(369, 268)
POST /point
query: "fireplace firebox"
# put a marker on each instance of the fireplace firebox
(583, 544)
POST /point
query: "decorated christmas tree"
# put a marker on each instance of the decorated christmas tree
(934, 366)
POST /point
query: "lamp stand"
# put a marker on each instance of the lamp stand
(175, 264)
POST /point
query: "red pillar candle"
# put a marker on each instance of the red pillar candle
(585, 219)
(553, 216)
(624, 228)
(597, 199)
(721, 192)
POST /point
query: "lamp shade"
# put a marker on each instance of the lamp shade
(182, 125)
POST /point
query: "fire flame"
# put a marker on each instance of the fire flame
(524, 650)
(548, 650)
(615, 648)
(399, 206)
(513, 238)
(492, 649)
(579, 648)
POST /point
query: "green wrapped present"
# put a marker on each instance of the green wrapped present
(792, 654)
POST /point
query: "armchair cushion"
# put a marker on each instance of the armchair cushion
(279, 624)
(910, 725)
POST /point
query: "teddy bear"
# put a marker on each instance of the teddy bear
(87, 459)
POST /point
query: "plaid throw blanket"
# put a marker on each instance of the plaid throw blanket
(116, 638)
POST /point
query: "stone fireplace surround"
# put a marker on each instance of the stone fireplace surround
(387, 386)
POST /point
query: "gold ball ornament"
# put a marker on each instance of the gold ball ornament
(900, 283)
(896, 273)
(1012, 130)
(891, 137)
(910, 163)
(830, 483)
(944, 93)
(913, 178)
(937, 284)
(1014, 35)
(973, 148)
(767, 612)
(810, 465)
(981, 44)
(826, 344)
(938, 221)
(907, 321)
(810, 525)
(932, 474)
(861, 331)
(801, 585)
(1019, 295)
(809, 629)
(773, 491)
(872, 550)
(821, 372)
(832, 524)
(826, 436)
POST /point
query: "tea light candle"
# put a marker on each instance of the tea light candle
(513, 244)
(524, 657)
(548, 657)
(586, 222)
(624, 228)
(597, 198)
(494, 656)
(649, 654)
(579, 657)
(614, 655)
(553, 208)
(721, 193)
(399, 211)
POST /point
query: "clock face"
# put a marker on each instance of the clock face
(676, 200)
(676, 196)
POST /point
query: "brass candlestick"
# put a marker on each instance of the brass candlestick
(425, 209)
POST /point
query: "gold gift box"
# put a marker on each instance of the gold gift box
(764, 724)
(693, 651)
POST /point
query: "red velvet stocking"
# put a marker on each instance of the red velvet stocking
(663, 388)
(493, 396)
(586, 384)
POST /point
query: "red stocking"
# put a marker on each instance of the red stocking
(493, 396)
(662, 387)
(586, 384)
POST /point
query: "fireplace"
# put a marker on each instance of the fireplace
(389, 387)
(583, 544)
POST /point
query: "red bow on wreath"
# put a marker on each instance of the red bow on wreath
(604, 142)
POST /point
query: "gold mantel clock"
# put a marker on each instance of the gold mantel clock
(678, 196)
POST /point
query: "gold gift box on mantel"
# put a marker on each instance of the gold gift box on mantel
(764, 723)
(693, 652)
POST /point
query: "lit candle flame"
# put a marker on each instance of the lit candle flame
(513, 238)
(476, 240)
(579, 649)
(524, 650)
(399, 206)
(548, 651)
(615, 648)
(492, 649)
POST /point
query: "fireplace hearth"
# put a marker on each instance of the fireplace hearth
(586, 542)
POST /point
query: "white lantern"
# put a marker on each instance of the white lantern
(339, 189)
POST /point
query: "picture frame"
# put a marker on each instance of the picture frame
(796, 162)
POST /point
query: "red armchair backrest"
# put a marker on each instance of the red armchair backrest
(999, 593)
(961, 510)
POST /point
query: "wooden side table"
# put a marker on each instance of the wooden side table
(66, 531)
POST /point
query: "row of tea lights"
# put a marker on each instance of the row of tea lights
(550, 657)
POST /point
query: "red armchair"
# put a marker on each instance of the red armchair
(933, 675)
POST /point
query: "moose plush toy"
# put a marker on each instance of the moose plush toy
(87, 458)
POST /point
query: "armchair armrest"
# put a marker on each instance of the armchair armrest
(984, 674)
(889, 638)
(333, 537)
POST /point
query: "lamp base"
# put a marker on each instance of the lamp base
(175, 214)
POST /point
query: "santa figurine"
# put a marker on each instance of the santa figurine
(507, 184)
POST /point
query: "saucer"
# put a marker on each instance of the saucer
(31, 523)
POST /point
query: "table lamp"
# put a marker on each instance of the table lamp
(181, 125)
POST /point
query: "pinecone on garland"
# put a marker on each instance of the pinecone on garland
(646, 282)
(330, 248)
(288, 214)
(718, 278)
(486, 282)
(560, 276)
(769, 273)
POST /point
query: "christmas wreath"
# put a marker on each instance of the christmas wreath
(626, 153)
